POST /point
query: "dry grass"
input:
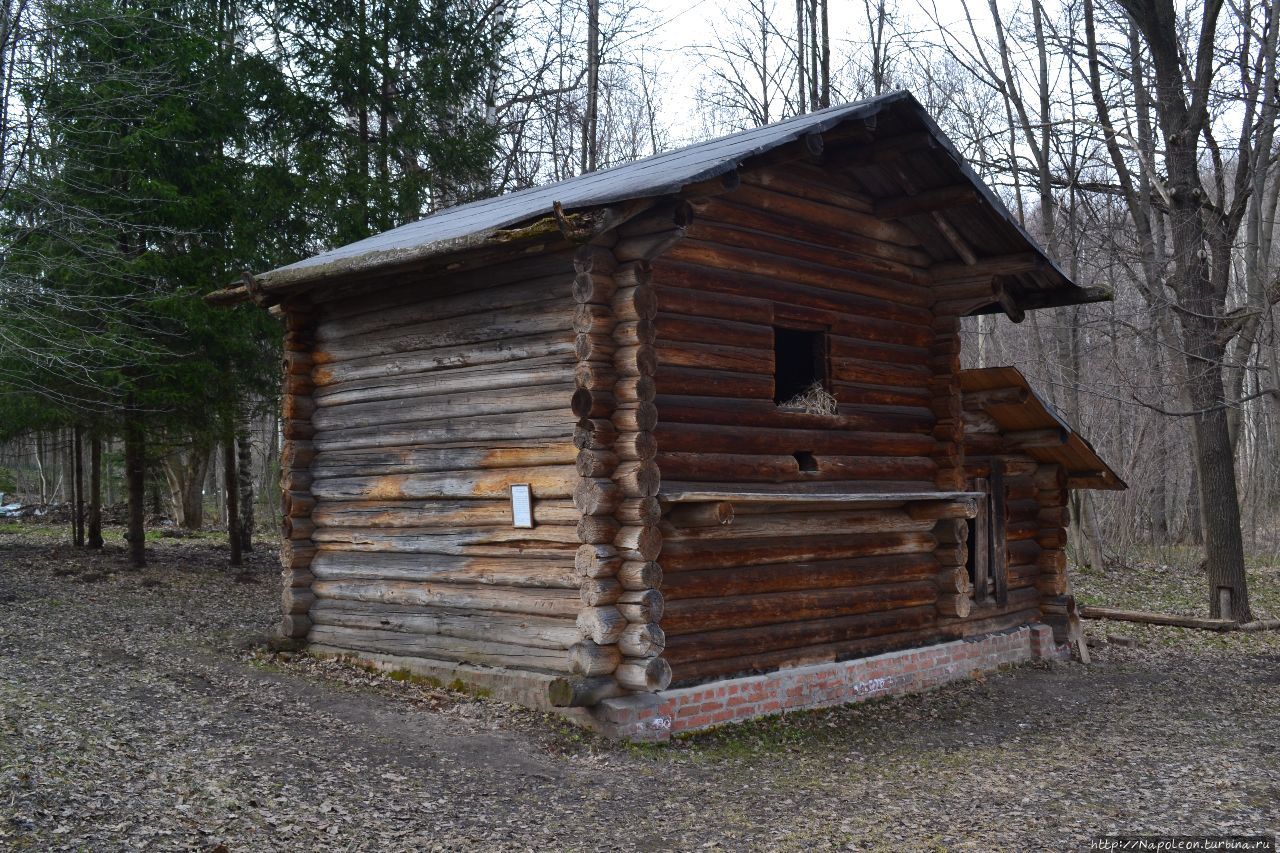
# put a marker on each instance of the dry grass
(814, 400)
(132, 717)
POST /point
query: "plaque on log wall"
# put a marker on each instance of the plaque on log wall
(521, 505)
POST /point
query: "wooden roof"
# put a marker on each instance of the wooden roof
(1030, 413)
(888, 149)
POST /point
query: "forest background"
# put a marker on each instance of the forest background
(152, 151)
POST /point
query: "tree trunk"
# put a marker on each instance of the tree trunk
(185, 472)
(136, 478)
(1219, 499)
(77, 486)
(589, 118)
(94, 538)
(232, 497)
(39, 460)
(244, 477)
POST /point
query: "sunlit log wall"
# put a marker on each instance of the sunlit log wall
(431, 398)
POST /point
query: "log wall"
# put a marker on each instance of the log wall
(431, 398)
(788, 583)
(1034, 522)
(297, 550)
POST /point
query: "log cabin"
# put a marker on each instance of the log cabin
(682, 441)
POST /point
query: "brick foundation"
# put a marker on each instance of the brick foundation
(658, 716)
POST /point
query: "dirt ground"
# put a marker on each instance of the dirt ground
(138, 712)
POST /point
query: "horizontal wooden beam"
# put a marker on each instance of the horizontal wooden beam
(987, 267)
(882, 150)
(927, 201)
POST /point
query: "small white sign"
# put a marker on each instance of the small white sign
(521, 505)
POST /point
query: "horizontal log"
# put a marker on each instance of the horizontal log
(514, 628)
(775, 639)
(545, 541)
(635, 303)
(897, 355)
(641, 606)
(547, 481)
(640, 641)
(713, 330)
(596, 592)
(714, 438)
(594, 434)
(532, 452)
(604, 625)
(953, 579)
(763, 413)
(861, 394)
(809, 250)
(957, 605)
(528, 426)
(809, 212)
(746, 528)
(1147, 617)
(951, 509)
(714, 357)
(593, 319)
(461, 292)
(588, 658)
(643, 511)
(636, 445)
(644, 674)
(438, 647)
(597, 529)
(710, 514)
(599, 376)
(540, 602)
(593, 288)
(597, 496)
(676, 296)
(498, 351)
(597, 561)
(524, 373)
(638, 417)
(294, 601)
(639, 542)
(555, 397)
(640, 574)
(696, 382)
(531, 572)
(545, 316)
(447, 514)
(595, 463)
(709, 614)
(638, 479)
(598, 348)
(794, 576)
(1001, 621)
(689, 556)
(692, 671)
(635, 389)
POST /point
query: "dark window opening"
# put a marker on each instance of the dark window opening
(970, 560)
(799, 362)
(805, 460)
(978, 560)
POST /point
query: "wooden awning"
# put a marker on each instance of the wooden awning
(1005, 395)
